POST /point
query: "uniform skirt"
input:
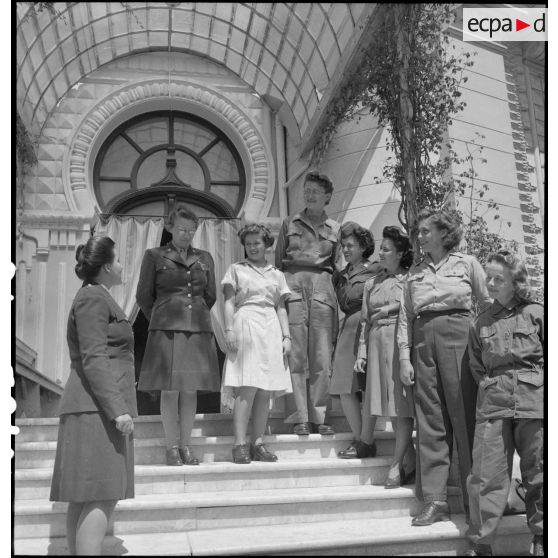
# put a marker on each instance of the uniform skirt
(386, 395)
(343, 378)
(179, 361)
(94, 460)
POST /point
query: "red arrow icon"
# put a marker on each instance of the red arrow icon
(519, 25)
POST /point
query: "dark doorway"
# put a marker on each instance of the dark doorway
(148, 403)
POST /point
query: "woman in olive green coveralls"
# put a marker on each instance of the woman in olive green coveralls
(506, 359)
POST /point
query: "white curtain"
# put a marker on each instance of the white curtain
(132, 235)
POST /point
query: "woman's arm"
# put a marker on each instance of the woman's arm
(145, 293)
(478, 284)
(92, 314)
(284, 322)
(476, 365)
(210, 294)
(230, 338)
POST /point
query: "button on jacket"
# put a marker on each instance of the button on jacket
(101, 346)
(301, 243)
(439, 288)
(506, 359)
(175, 294)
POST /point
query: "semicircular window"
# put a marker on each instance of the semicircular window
(168, 149)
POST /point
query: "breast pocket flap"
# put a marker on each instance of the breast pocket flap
(533, 377)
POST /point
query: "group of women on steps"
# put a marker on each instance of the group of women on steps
(407, 348)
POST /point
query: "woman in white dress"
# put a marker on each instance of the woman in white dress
(257, 341)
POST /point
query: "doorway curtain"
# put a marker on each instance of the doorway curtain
(134, 235)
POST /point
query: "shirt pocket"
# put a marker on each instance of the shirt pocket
(526, 341)
(296, 308)
(454, 277)
(533, 377)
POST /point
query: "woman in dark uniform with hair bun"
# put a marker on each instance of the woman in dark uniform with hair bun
(175, 291)
(94, 464)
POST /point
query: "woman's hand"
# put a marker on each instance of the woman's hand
(125, 424)
(360, 365)
(406, 372)
(286, 346)
(382, 312)
(231, 343)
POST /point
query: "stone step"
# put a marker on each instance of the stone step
(150, 426)
(360, 536)
(33, 484)
(151, 451)
(163, 513)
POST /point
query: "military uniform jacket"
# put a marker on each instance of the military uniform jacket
(506, 359)
(175, 294)
(101, 346)
(349, 285)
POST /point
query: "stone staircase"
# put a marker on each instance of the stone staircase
(308, 503)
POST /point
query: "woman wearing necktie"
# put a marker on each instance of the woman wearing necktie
(176, 290)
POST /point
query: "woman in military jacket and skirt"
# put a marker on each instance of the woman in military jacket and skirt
(507, 361)
(176, 290)
(94, 463)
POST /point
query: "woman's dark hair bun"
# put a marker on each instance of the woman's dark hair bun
(91, 256)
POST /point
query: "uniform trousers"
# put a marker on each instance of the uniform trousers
(445, 398)
(489, 481)
(312, 310)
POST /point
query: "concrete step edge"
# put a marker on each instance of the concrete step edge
(45, 473)
(218, 440)
(236, 498)
(349, 534)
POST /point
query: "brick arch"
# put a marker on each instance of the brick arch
(181, 95)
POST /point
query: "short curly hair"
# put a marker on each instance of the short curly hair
(402, 244)
(364, 237)
(444, 220)
(323, 180)
(518, 271)
(256, 228)
(181, 211)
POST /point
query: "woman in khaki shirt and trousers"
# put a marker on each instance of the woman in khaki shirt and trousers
(434, 321)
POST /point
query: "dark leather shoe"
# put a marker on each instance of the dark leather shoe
(432, 513)
(241, 454)
(538, 546)
(394, 482)
(325, 429)
(302, 429)
(173, 457)
(479, 550)
(349, 453)
(358, 450)
(259, 452)
(187, 456)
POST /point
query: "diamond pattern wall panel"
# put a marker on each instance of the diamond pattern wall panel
(275, 47)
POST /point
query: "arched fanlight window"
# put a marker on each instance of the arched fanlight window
(172, 151)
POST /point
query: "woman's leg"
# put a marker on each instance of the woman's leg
(260, 413)
(72, 518)
(241, 413)
(187, 403)
(92, 527)
(368, 426)
(351, 407)
(403, 428)
(169, 416)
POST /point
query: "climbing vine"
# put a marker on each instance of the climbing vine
(410, 78)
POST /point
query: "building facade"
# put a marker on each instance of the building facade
(135, 106)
